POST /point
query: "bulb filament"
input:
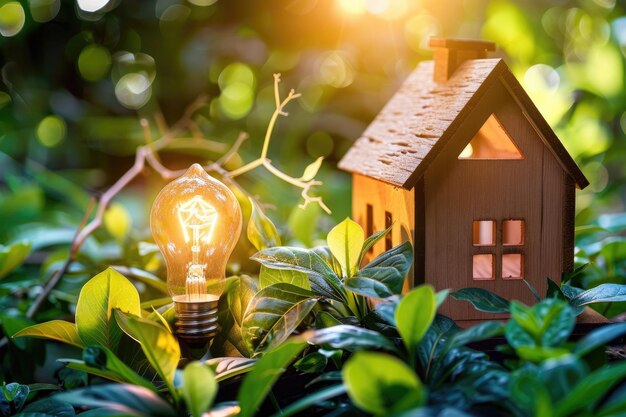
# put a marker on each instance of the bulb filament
(197, 219)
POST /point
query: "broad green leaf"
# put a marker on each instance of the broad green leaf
(603, 293)
(261, 231)
(145, 277)
(586, 394)
(314, 362)
(125, 399)
(311, 170)
(541, 353)
(377, 282)
(324, 319)
(351, 338)
(98, 298)
(548, 323)
(311, 400)
(117, 221)
(323, 279)
(231, 309)
(259, 381)
(399, 257)
(102, 358)
(345, 242)
(274, 313)
(482, 300)
(481, 331)
(414, 315)
(529, 393)
(16, 393)
(371, 241)
(13, 256)
(47, 407)
(381, 384)
(599, 337)
(60, 330)
(228, 367)
(269, 276)
(158, 344)
(199, 388)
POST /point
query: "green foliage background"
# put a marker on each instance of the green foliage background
(74, 84)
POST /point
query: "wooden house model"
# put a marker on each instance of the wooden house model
(464, 166)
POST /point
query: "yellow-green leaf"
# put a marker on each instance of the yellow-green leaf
(311, 171)
(345, 242)
(199, 388)
(117, 221)
(99, 296)
(60, 330)
(414, 315)
(261, 231)
(158, 344)
(13, 256)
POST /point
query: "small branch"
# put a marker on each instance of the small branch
(243, 136)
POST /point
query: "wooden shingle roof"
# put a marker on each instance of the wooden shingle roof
(411, 130)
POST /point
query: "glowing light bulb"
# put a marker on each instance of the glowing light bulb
(196, 222)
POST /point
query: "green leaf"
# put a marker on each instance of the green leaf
(228, 367)
(548, 324)
(414, 315)
(274, 313)
(540, 353)
(324, 319)
(399, 257)
(586, 394)
(481, 331)
(377, 282)
(60, 330)
(101, 358)
(312, 363)
(98, 298)
(230, 312)
(371, 241)
(199, 388)
(269, 276)
(159, 345)
(603, 293)
(47, 407)
(261, 231)
(381, 384)
(323, 279)
(16, 393)
(599, 337)
(310, 400)
(311, 170)
(123, 398)
(345, 242)
(13, 256)
(259, 381)
(351, 338)
(482, 300)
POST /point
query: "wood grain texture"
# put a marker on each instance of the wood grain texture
(384, 198)
(462, 44)
(413, 128)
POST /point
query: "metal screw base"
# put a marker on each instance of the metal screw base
(196, 321)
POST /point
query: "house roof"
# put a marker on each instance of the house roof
(411, 130)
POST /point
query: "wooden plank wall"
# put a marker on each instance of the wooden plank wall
(384, 198)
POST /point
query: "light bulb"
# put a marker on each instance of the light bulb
(196, 222)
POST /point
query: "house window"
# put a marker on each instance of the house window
(483, 267)
(388, 236)
(484, 233)
(498, 252)
(492, 141)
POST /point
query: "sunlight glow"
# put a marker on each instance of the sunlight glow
(91, 5)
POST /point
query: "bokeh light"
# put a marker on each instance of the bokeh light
(202, 3)
(237, 83)
(91, 6)
(94, 62)
(51, 131)
(335, 69)
(133, 90)
(12, 18)
(353, 6)
(44, 10)
(4, 99)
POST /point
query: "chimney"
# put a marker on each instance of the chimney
(451, 53)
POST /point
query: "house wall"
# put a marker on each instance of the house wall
(382, 198)
(457, 192)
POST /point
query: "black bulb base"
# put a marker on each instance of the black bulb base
(196, 321)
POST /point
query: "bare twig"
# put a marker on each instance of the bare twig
(148, 154)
